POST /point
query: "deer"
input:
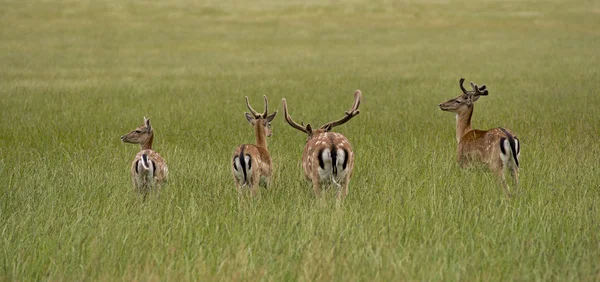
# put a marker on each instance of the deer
(498, 148)
(328, 157)
(251, 164)
(148, 170)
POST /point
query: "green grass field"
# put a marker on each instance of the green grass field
(76, 75)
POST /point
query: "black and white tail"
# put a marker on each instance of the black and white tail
(510, 148)
(144, 164)
(242, 165)
(333, 163)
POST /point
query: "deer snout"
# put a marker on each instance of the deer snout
(123, 138)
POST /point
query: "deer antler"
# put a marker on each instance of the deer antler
(292, 122)
(252, 111)
(349, 114)
(461, 86)
(266, 106)
(256, 114)
(482, 90)
(479, 90)
(476, 90)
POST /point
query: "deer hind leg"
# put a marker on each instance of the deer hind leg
(343, 192)
(238, 186)
(514, 172)
(265, 181)
(316, 186)
(254, 184)
(500, 173)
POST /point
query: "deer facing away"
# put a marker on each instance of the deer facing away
(327, 157)
(498, 148)
(251, 164)
(148, 170)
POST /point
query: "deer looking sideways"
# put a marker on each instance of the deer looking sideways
(148, 170)
(252, 163)
(328, 157)
(499, 148)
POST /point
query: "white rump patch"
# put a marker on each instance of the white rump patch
(341, 172)
(145, 168)
(144, 174)
(238, 169)
(505, 156)
(327, 170)
(239, 173)
(326, 173)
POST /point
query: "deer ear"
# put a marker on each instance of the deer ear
(250, 118)
(272, 116)
(147, 123)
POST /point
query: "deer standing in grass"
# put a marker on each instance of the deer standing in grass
(498, 148)
(148, 170)
(251, 164)
(327, 157)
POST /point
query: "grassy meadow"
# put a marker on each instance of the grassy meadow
(76, 75)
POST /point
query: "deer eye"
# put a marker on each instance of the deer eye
(457, 102)
(138, 131)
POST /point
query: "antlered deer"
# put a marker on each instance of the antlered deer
(148, 170)
(327, 157)
(498, 148)
(252, 163)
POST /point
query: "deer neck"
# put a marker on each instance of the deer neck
(463, 123)
(261, 139)
(147, 145)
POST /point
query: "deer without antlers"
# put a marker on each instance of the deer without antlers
(327, 157)
(252, 163)
(148, 170)
(498, 148)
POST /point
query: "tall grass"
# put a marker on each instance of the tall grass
(76, 75)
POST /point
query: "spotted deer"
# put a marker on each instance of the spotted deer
(498, 148)
(148, 170)
(251, 164)
(327, 157)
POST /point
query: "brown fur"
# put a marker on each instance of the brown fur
(478, 146)
(144, 136)
(321, 139)
(260, 158)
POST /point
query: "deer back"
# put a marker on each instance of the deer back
(484, 145)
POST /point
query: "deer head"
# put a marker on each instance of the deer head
(328, 126)
(465, 100)
(141, 135)
(263, 119)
